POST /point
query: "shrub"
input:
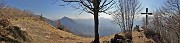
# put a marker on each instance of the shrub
(41, 17)
(149, 33)
(4, 22)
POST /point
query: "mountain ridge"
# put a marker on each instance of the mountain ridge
(83, 29)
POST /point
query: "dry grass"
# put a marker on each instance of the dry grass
(136, 39)
(38, 30)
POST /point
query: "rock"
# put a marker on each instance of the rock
(137, 28)
(4, 22)
(11, 34)
(118, 39)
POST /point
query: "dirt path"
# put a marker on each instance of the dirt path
(139, 37)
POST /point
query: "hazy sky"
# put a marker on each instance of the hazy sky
(53, 11)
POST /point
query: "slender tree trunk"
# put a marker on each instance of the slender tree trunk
(123, 23)
(96, 40)
(96, 20)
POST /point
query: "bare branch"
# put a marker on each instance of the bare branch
(65, 4)
(106, 4)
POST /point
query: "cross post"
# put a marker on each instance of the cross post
(147, 16)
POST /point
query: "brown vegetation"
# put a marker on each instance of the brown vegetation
(9, 33)
(165, 22)
(23, 27)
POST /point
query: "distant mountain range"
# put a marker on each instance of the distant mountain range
(85, 27)
(103, 22)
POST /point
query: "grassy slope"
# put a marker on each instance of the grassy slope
(42, 32)
(38, 30)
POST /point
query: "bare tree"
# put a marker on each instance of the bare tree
(95, 7)
(125, 14)
(143, 21)
(2, 5)
(166, 22)
(171, 13)
(59, 25)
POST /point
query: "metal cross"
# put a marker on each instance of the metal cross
(147, 16)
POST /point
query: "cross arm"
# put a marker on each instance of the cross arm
(147, 13)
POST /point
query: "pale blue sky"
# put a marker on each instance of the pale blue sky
(53, 11)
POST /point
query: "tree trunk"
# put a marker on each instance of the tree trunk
(96, 21)
(96, 40)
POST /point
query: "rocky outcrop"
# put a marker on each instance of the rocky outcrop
(118, 39)
(11, 34)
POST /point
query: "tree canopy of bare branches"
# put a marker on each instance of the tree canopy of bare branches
(166, 22)
(125, 13)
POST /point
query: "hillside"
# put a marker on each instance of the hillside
(36, 30)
